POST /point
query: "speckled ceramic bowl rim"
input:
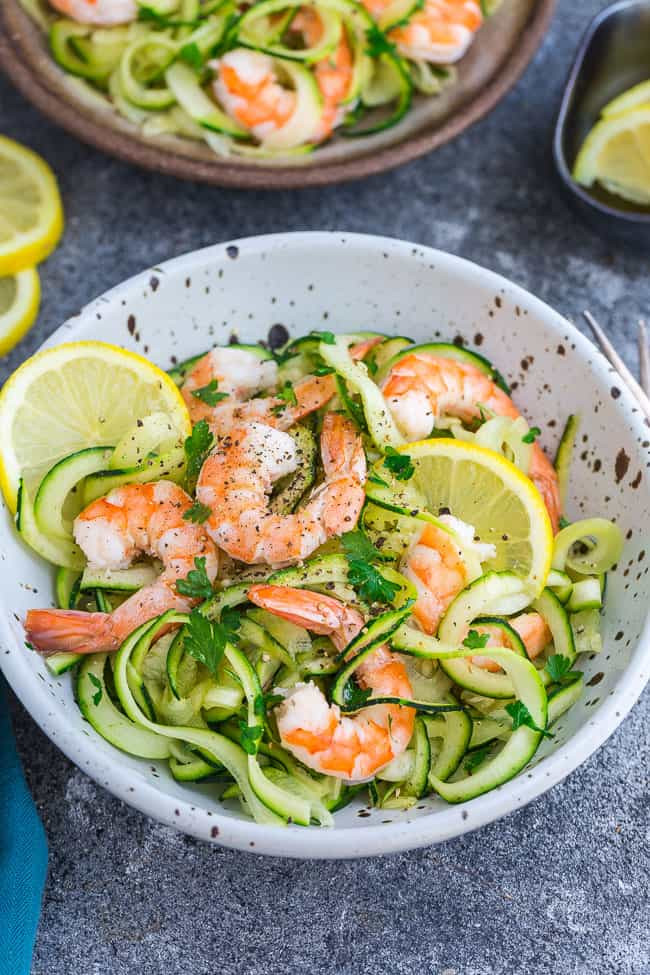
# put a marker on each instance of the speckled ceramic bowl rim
(294, 841)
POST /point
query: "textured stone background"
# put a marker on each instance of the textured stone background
(560, 887)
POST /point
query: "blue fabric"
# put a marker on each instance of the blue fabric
(23, 856)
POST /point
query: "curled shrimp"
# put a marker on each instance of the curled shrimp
(239, 374)
(435, 565)
(333, 73)
(112, 531)
(420, 388)
(236, 480)
(440, 32)
(531, 627)
(352, 748)
(99, 13)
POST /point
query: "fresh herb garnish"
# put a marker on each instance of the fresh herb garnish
(476, 757)
(475, 640)
(205, 640)
(198, 513)
(559, 670)
(230, 619)
(371, 585)
(191, 54)
(371, 363)
(209, 394)
(250, 736)
(196, 585)
(521, 716)
(531, 436)
(378, 43)
(327, 338)
(564, 522)
(398, 464)
(288, 397)
(357, 546)
(97, 696)
(197, 448)
(354, 697)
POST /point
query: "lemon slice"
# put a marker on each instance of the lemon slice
(20, 295)
(632, 98)
(78, 395)
(481, 488)
(31, 215)
(617, 154)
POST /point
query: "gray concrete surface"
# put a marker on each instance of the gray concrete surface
(560, 887)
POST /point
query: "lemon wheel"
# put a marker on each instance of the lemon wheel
(20, 296)
(74, 396)
(616, 153)
(481, 488)
(31, 215)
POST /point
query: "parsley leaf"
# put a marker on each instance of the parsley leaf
(378, 43)
(196, 585)
(521, 716)
(475, 640)
(205, 640)
(328, 338)
(531, 436)
(209, 394)
(198, 513)
(231, 621)
(191, 54)
(288, 397)
(250, 736)
(371, 363)
(371, 585)
(354, 697)
(398, 464)
(476, 757)
(97, 696)
(564, 522)
(323, 371)
(197, 447)
(357, 545)
(559, 669)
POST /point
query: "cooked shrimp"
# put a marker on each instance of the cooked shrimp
(352, 748)
(112, 531)
(99, 13)
(240, 373)
(440, 32)
(420, 388)
(531, 627)
(236, 480)
(436, 564)
(333, 73)
(247, 87)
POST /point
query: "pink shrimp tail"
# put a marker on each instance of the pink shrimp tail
(53, 630)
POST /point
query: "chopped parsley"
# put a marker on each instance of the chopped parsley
(378, 43)
(357, 545)
(371, 585)
(328, 338)
(191, 54)
(354, 697)
(197, 448)
(250, 736)
(559, 670)
(196, 585)
(209, 394)
(531, 436)
(198, 513)
(521, 716)
(398, 464)
(205, 640)
(475, 640)
(287, 396)
(97, 696)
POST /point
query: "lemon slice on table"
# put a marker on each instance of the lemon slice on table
(481, 488)
(78, 395)
(20, 295)
(632, 98)
(31, 215)
(616, 153)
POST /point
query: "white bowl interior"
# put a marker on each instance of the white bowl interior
(349, 282)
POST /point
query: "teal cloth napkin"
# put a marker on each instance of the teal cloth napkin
(23, 856)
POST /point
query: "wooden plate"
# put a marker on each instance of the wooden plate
(504, 47)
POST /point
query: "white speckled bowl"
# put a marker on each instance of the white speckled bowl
(354, 282)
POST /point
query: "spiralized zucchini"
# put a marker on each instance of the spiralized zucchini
(124, 67)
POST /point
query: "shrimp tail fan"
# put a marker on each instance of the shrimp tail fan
(50, 631)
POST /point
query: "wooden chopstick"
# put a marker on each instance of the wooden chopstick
(615, 360)
(644, 358)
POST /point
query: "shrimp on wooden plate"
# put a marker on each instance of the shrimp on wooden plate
(441, 31)
(99, 13)
(353, 748)
(236, 481)
(420, 388)
(239, 374)
(132, 520)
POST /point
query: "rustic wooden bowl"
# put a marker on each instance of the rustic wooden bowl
(500, 54)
